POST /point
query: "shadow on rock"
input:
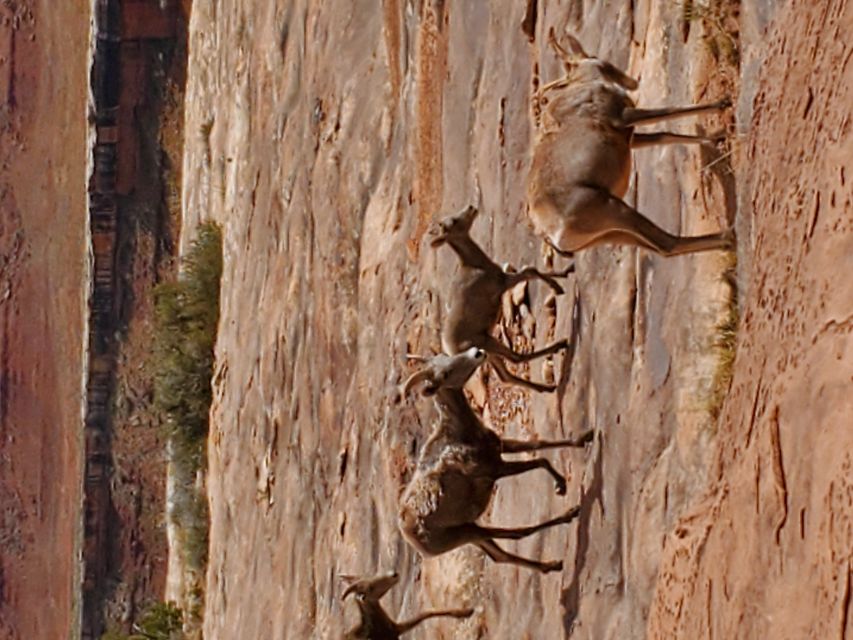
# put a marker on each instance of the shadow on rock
(595, 492)
(569, 356)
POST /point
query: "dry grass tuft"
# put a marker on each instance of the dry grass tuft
(719, 19)
(725, 343)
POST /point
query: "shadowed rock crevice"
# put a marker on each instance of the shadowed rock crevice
(592, 494)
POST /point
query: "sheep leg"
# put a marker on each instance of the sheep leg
(408, 625)
(521, 446)
(497, 554)
(515, 467)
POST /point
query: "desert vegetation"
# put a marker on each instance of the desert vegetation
(719, 19)
(725, 342)
(186, 317)
(187, 312)
(161, 621)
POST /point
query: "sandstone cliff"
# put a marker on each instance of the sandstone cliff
(325, 136)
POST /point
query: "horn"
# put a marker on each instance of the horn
(352, 583)
(415, 378)
(576, 49)
(559, 83)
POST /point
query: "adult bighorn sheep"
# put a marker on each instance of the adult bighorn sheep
(582, 160)
(375, 623)
(475, 298)
(459, 465)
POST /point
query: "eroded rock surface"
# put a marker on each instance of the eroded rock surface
(324, 137)
(767, 550)
(42, 309)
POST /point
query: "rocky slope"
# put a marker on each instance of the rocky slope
(767, 550)
(42, 305)
(325, 136)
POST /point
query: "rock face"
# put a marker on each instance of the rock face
(767, 549)
(324, 137)
(42, 309)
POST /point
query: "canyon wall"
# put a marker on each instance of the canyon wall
(324, 138)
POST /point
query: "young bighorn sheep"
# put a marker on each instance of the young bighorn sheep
(375, 623)
(459, 465)
(582, 160)
(475, 302)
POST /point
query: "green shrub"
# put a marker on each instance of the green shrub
(189, 513)
(161, 621)
(186, 317)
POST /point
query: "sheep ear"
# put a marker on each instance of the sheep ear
(575, 48)
(470, 214)
(621, 78)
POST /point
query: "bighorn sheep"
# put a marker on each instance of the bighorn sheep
(375, 623)
(475, 302)
(459, 465)
(582, 160)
